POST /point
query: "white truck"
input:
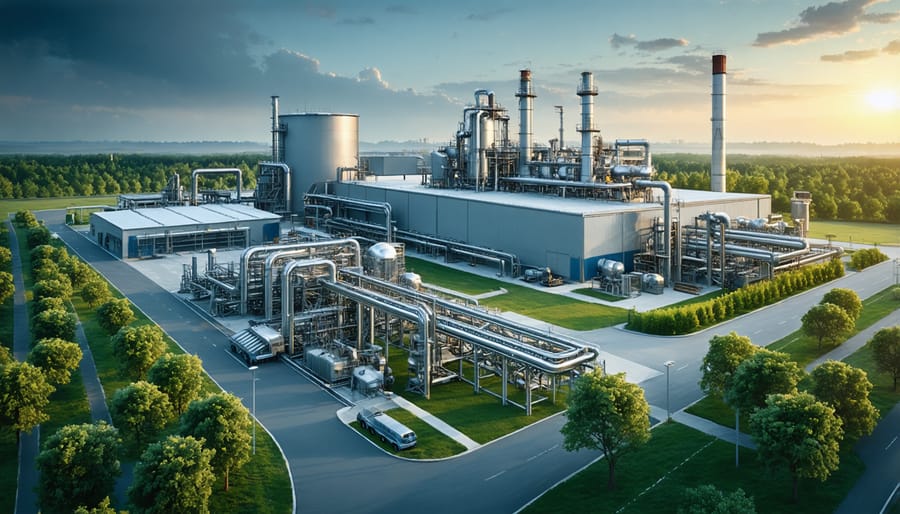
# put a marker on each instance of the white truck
(388, 429)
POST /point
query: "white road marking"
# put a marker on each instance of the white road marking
(782, 322)
(894, 440)
(495, 475)
(548, 450)
(681, 368)
(758, 331)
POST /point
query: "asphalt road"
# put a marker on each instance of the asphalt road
(334, 470)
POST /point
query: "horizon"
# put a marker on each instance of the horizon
(811, 71)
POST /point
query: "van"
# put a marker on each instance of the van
(388, 429)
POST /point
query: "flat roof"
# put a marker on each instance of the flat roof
(578, 206)
(182, 216)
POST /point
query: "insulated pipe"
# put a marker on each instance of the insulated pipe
(587, 92)
(717, 168)
(370, 206)
(767, 238)
(287, 180)
(637, 142)
(476, 165)
(526, 108)
(213, 171)
(567, 183)
(512, 258)
(287, 295)
(303, 250)
(667, 219)
(244, 272)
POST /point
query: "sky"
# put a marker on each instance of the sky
(204, 70)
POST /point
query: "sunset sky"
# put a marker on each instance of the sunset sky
(802, 70)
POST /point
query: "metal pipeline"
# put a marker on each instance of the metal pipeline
(305, 249)
(213, 171)
(667, 219)
(567, 183)
(766, 238)
(287, 179)
(287, 295)
(455, 245)
(636, 142)
(366, 205)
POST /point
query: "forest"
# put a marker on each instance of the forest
(843, 188)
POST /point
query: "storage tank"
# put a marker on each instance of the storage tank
(652, 283)
(800, 210)
(315, 145)
(610, 269)
(380, 261)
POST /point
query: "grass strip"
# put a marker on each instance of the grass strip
(430, 443)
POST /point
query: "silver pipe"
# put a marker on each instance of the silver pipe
(587, 92)
(526, 108)
(287, 295)
(511, 257)
(667, 219)
(287, 180)
(385, 207)
(213, 171)
(717, 168)
(244, 272)
(567, 183)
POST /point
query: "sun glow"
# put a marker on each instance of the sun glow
(882, 100)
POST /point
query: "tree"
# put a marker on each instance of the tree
(827, 322)
(57, 358)
(140, 409)
(173, 476)
(886, 349)
(79, 272)
(725, 354)
(24, 396)
(78, 466)
(846, 299)
(7, 286)
(5, 356)
(5, 257)
(114, 315)
(95, 292)
(179, 376)
(37, 236)
(223, 423)
(765, 373)
(137, 348)
(866, 257)
(846, 389)
(706, 499)
(45, 304)
(102, 508)
(606, 413)
(59, 287)
(800, 433)
(53, 323)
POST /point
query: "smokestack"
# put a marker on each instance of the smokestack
(526, 107)
(587, 91)
(275, 150)
(717, 169)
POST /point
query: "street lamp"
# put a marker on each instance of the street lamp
(253, 403)
(668, 365)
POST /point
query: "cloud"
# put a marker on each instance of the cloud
(831, 19)
(401, 9)
(494, 14)
(892, 48)
(851, 55)
(372, 75)
(359, 20)
(651, 45)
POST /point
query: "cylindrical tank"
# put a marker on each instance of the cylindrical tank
(610, 269)
(381, 261)
(439, 165)
(411, 280)
(315, 146)
(652, 283)
(800, 210)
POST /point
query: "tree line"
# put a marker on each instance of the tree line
(846, 188)
(50, 176)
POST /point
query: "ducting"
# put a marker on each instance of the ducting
(717, 168)
(214, 171)
(667, 219)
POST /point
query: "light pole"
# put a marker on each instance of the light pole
(668, 365)
(253, 404)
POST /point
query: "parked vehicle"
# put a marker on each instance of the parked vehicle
(388, 429)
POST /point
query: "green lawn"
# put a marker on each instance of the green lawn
(8, 206)
(653, 477)
(856, 232)
(430, 443)
(68, 406)
(600, 295)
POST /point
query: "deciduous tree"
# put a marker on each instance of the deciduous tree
(765, 373)
(606, 413)
(846, 389)
(53, 323)
(139, 410)
(24, 396)
(173, 476)
(114, 315)
(79, 465)
(59, 287)
(827, 322)
(706, 499)
(57, 358)
(179, 376)
(722, 359)
(137, 348)
(222, 421)
(7, 286)
(801, 434)
(886, 348)
(846, 299)
(95, 292)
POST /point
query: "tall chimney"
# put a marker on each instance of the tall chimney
(276, 152)
(587, 91)
(526, 107)
(717, 169)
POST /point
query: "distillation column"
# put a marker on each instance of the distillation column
(717, 170)
(526, 108)
(587, 91)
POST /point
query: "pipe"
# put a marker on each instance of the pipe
(667, 219)
(717, 168)
(385, 207)
(587, 91)
(287, 295)
(567, 183)
(526, 108)
(453, 245)
(305, 249)
(648, 157)
(213, 171)
(244, 271)
(287, 180)
(275, 149)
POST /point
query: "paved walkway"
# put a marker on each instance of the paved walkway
(29, 442)
(93, 388)
(704, 425)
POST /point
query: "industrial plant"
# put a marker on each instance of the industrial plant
(333, 294)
